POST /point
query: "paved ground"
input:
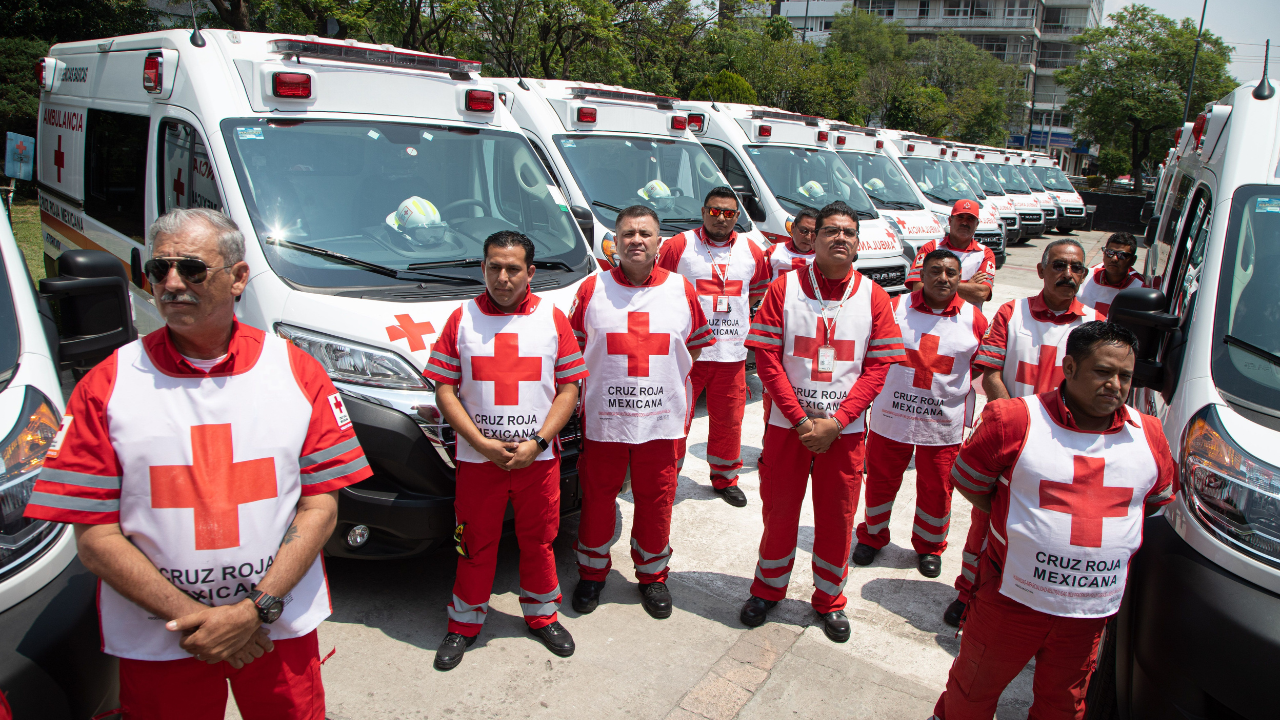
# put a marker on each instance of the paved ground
(701, 663)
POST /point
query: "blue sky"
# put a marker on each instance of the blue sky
(1246, 24)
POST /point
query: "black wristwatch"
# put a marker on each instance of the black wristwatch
(269, 606)
(542, 444)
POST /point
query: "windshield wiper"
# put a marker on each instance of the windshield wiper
(375, 268)
(1251, 349)
(793, 201)
(464, 262)
(896, 204)
(681, 220)
(865, 214)
(606, 206)
(548, 264)
(938, 197)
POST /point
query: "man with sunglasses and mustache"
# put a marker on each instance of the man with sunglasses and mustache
(1113, 274)
(824, 337)
(1021, 355)
(200, 465)
(796, 252)
(729, 273)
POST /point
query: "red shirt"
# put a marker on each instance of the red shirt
(993, 447)
(445, 367)
(991, 354)
(988, 264)
(674, 246)
(699, 337)
(885, 338)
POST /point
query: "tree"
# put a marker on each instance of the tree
(70, 20)
(1112, 164)
(1130, 86)
(19, 95)
(724, 86)
(867, 35)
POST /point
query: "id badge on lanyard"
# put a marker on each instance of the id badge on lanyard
(826, 359)
(827, 353)
(722, 303)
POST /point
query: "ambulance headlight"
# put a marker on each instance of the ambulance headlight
(944, 219)
(351, 362)
(22, 452)
(1234, 495)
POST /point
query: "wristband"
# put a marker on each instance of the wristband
(797, 425)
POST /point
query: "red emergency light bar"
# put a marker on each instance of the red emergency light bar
(407, 59)
(811, 120)
(979, 156)
(663, 102)
(840, 127)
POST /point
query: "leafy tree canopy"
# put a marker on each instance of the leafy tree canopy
(724, 86)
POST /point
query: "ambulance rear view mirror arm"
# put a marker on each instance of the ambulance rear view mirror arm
(750, 203)
(1149, 238)
(586, 221)
(91, 297)
(1141, 310)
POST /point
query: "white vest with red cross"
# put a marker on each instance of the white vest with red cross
(924, 400)
(509, 376)
(1075, 515)
(1099, 296)
(210, 484)
(723, 289)
(820, 393)
(971, 261)
(639, 386)
(1034, 351)
(783, 260)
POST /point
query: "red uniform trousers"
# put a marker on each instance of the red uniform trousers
(1000, 636)
(974, 543)
(482, 493)
(283, 684)
(785, 468)
(933, 492)
(603, 468)
(726, 386)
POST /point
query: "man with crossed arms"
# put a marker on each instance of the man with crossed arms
(1021, 355)
(640, 328)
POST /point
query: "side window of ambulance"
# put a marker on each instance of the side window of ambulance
(1191, 249)
(115, 172)
(186, 175)
(729, 165)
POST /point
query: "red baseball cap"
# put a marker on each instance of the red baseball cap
(966, 207)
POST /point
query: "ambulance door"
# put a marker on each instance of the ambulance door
(738, 178)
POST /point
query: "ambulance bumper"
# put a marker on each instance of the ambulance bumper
(1071, 218)
(407, 505)
(1195, 640)
(51, 664)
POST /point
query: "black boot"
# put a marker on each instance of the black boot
(732, 495)
(836, 625)
(656, 599)
(451, 649)
(930, 565)
(954, 612)
(556, 638)
(755, 611)
(586, 596)
(864, 554)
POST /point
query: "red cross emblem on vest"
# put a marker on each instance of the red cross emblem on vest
(926, 361)
(506, 369)
(718, 284)
(807, 348)
(213, 486)
(638, 344)
(407, 329)
(1045, 375)
(1086, 500)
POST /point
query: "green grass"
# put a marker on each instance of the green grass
(25, 216)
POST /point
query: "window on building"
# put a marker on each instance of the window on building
(966, 8)
(826, 24)
(922, 10)
(115, 161)
(1057, 55)
(1064, 20)
(1020, 8)
(186, 178)
(1051, 118)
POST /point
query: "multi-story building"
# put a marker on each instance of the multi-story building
(1035, 35)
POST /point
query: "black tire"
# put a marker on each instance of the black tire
(1000, 261)
(1100, 699)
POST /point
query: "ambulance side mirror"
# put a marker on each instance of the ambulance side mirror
(586, 222)
(92, 306)
(1141, 310)
(1152, 226)
(751, 204)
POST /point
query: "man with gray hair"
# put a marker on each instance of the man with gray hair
(200, 466)
(1021, 355)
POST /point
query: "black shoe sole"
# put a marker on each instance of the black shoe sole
(733, 502)
(656, 613)
(763, 618)
(858, 562)
(562, 652)
(585, 609)
(933, 573)
(444, 666)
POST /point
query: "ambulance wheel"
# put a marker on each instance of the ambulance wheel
(1100, 699)
(1000, 261)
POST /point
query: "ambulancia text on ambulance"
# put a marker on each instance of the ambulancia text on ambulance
(1199, 633)
(941, 184)
(970, 159)
(612, 147)
(1071, 211)
(1048, 204)
(365, 179)
(780, 162)
(887, 184)
(1030, 215)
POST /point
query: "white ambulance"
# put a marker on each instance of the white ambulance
(365, 179)
(887, 184)
(1070, 206)
(612, 147)
(941, 184)
(1171, 195)
(971, 159)
(1030, 215)
(1199, 633)
(780, 162)
(1048, 204)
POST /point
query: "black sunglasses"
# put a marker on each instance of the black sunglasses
(1119, 254)
(1060, 265)
(193, 270)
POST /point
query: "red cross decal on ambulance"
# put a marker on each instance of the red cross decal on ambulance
(213, 486)
(59, 158)
(407, 329)
(1086, 500)
(506, 369)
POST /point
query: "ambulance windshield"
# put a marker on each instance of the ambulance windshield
(395, 199)
(986, 179)
(938, 180)
(670, 176)
(807, 177)
(1030, 177)
(1053, 178)
(1010, 180)
(1246, 367)
(968, 178)
(883, 181)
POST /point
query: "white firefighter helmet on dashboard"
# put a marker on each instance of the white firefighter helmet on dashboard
(414, 213)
